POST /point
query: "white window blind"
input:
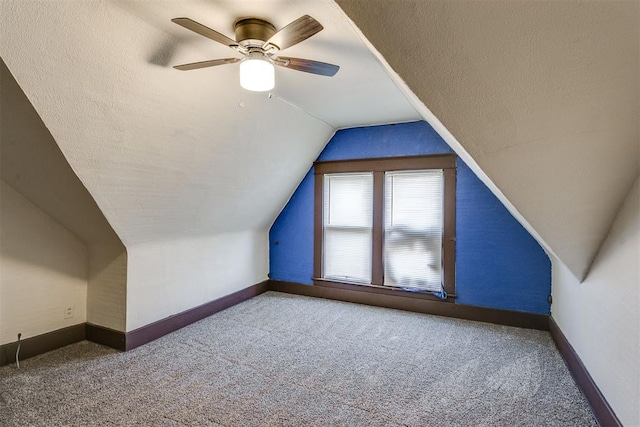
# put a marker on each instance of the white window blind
(413, 229)
(347, 225)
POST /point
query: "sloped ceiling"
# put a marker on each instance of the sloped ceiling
(31, 163)
(543, 95)
(170, 154)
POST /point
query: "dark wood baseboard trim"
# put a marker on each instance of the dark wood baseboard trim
(155, 330)
(42, 343)
(120, 340)
(105, 336)
(130, 340)
(460, 311)
(599, 405)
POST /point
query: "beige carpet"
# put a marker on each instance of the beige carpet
(281, 359)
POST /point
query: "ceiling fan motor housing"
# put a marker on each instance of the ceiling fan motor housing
(253, 32)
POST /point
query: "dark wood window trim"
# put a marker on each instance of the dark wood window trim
(446, 162)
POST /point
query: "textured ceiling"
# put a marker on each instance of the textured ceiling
(168, 154)
(544, 95)
(31, 163)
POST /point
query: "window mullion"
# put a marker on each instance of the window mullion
(318, 237)
(377, 273)
(449, 232)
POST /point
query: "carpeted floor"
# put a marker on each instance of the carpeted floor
(282, 359)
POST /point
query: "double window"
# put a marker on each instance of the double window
(386, 223)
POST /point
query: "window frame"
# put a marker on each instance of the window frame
(378, 166)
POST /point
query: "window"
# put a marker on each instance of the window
(386, 223)
(347, 225)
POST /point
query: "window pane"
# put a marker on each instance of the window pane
(347, 254)
(347, 219)
(413, 229)
(348, 199)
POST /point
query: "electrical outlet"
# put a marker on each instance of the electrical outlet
(68, 312)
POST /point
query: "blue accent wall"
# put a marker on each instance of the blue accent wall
(498, 263)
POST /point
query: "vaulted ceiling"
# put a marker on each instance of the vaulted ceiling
(31, 163)
(169, 154)
(543, 96)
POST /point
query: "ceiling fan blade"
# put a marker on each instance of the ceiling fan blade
(307, 65)
(204, 64)
(207, 32)
(295, 32)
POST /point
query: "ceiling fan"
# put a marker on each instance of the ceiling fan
(260, 44)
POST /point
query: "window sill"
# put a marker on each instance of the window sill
(376, 289)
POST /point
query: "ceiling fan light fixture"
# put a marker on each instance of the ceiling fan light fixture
(257, 74)
(260, 44)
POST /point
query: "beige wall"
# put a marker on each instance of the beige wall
(107, 292)
(601, 316)
(166, 278)
(32, 164)
(43, 270)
